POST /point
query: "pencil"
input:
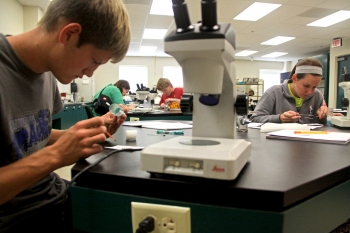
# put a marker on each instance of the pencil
(310, 132)
(109, 135)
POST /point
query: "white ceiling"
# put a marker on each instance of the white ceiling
(288, 20)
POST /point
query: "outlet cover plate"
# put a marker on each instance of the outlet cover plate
(168, 219)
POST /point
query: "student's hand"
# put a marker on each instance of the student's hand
(113, 122)
(289, 117)
(79, 141)
(322, 112)
(162, 105)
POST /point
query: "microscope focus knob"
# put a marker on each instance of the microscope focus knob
(186, 104)
(345, 102)
(241, 105)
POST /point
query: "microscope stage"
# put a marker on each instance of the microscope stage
(214, 158)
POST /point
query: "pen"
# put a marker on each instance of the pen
(109, 135)
(176, 132)
(310, 132)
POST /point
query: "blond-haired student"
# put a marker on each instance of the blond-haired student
(73, 38)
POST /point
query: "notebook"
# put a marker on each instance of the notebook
(330, 137)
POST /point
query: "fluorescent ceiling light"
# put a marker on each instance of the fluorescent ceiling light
(256, 11)
(275, 54)
(245, 53)
(162, 7)
(278, 40)
(154, 33)
(148, 49)
(331, 19)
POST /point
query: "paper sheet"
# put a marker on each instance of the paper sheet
(158, 125)
(168, 126)
(271, 127)
(120, 147)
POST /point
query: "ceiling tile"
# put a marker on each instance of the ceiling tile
(302, 30)
(312, 3)
(148, 42)
(300, 20)
(335, 4)
(137, 21)
(136, 33)
(139, 2)
(322, 33)
(285, 12)
(159, 21)
(137, 9)
(280, 30)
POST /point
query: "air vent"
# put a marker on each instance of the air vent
(317, 13)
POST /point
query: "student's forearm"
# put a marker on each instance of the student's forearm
(18, 176)
(55, 135)
(173, 100)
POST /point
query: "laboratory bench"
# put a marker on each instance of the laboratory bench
(159, 115)
(287, 186)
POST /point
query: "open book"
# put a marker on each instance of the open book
(329, 137)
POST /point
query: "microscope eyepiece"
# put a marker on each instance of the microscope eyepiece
(182, 18)
(209, 17)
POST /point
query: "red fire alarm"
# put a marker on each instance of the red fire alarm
(336, 42)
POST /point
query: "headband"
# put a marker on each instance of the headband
(308, 70)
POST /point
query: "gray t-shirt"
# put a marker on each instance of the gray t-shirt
(27, 103)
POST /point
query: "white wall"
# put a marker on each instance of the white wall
(109, 72)
(251, 69)
(333, 70)
(11, 17)
(31, 16)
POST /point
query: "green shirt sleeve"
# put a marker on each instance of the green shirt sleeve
(114, 94)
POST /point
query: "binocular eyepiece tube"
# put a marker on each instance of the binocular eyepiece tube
(182, 18)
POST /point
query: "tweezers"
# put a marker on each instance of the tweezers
(306, 116)
(309, 115)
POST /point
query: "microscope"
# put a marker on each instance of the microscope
(344, 121)
(142, 93)
(205, 52)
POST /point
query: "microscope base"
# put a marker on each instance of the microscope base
(340, 121)
(222, 160)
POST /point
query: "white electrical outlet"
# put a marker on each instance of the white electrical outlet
(134, 119)
(168, 219)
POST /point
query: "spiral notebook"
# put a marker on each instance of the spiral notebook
(329, 137)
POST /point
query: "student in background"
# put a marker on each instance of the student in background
(251, 92)
(170, 94)
(73, 38)
(115, 92)
(297, 99)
